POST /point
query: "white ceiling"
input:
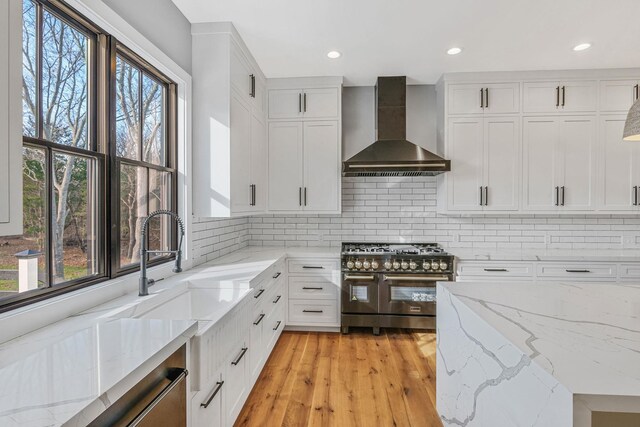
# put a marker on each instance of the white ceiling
(410, 37)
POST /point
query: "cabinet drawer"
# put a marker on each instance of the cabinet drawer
(305, 312)
(495, 270)
(313, 266)
(576, 271)
(629, 271)
(319, 288)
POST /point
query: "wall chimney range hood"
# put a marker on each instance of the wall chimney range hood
(392, 154)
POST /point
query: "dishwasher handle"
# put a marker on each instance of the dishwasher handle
(173, 384)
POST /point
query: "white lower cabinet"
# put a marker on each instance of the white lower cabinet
(238, 382)
(207, 406)
(314, 293)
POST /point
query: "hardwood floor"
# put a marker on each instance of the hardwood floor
(329, 379)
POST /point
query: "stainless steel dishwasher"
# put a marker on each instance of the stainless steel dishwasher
(159, 399)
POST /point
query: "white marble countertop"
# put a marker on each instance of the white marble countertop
(587, 336)
(66, 372)
(72, 380)
(603, 255)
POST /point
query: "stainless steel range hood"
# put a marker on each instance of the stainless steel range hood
(392, 154)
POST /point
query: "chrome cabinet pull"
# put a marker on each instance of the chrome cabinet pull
(300, 196)
(216, 390)
(635, 195)
(313, 311)
(407, 278)
(496, 270)
(277, 325)
(275, 301)
(486, 98)
(481, 98)
(356, 277)
(260, 292)
(156, 400)
(486, 196)
(481, 192)
(557, 96)
(305, 196)
(563, 95)
(305, 103)
(300, 103)
(557, 196)
(311, 288)
(313, 267)
(636, 89)
(253, 86)
(239, 358)
(275, 276)
(562, 195)
(257, 322)
(577, 271)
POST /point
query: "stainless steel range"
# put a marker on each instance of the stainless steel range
(392, 285)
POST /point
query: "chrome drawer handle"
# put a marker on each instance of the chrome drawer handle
(309, 288)
(355, 277)
(275, 276)
(577, 271)
(313, 311)
(242, 353)
(156, 400)
(277, 325)
(316, 267)
(216, 390)
(277, 299)
(260, 292)
(496, 270)
(404, 278)
(257, 322)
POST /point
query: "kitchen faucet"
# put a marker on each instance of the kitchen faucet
(144, 281)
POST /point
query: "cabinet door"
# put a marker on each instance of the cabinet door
(320, 103)
(285, 166)
(321, 166)
(502, 98)
(618, 95)
(207, 406)
(466, 152)
(237, 383)
(240, 156)
(285, 103)
(465, 99)
(502, 164)
(259, 162)
(541, 97)
(579, 96)
(540, 161)
(577, 167)
(256, 344)
(619, 166)
(10, 118)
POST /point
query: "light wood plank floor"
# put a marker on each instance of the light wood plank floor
(329, 379)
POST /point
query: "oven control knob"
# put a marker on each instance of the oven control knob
(404, 265)
(434, 265)
(388, 265)
(374, 265)
(358, 264)
(396, 265)
(426, 265)
(443, 265)
(413, 265)
(350, 264)
(366, 265)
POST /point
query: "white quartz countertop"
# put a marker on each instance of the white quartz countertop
(72, 380)
(63, 373)
(604, 255)
(587, 336)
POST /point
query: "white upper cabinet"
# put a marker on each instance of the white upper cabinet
(486, 153)
(321, 166)
(560, 96)
(285, 166)
(559, 168)
(617, 96)
(309, 103)
(229, 125)
(490, 98)
(619, 167)
(10, 118)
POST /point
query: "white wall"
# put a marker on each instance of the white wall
(162, 23)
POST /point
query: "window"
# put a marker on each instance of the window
(99, 155)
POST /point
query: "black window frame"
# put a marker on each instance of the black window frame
(101, 137)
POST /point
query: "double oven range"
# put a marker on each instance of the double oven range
(392, 285)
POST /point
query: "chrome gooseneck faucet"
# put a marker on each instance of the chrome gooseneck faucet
(144, 281)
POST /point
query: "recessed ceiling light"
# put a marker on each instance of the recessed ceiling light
(454, 51)
(334, 54)
(582, 46)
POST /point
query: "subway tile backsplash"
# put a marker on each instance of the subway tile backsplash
(213, 238)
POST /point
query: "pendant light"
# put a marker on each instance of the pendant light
(632, 125)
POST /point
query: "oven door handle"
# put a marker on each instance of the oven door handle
(358, 277)
(405, 278)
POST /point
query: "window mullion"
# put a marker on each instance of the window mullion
(38, 77)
